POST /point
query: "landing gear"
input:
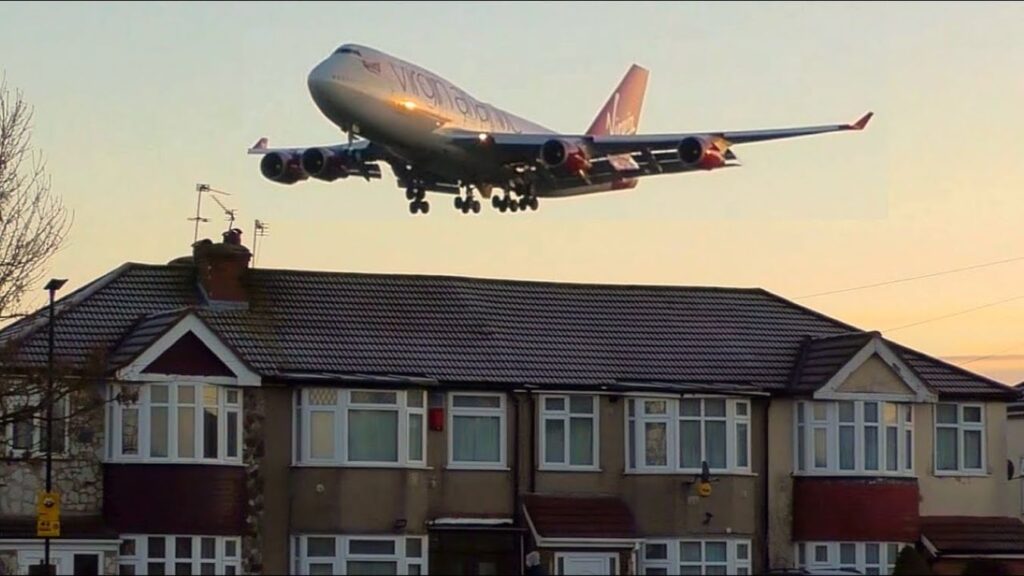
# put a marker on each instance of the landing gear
(419, 206)
(468, 203)
(416, 196)
(522, 200)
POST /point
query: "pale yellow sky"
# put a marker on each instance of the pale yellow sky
(136, 103)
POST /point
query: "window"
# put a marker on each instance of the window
(476, 424)
(680, 435)
(851, 438)
(183, 422)
(360, 427)
(862, 557)
(325, 554)
(960, 438)
(347, 50)
(141, 554)
(569, 438)
(730, 556)
(26, 433)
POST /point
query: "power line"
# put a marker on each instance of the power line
(961, 312)
(992, 355)
(910, 278)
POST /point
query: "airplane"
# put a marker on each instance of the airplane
(437, 138)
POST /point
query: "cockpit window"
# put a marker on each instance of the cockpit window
(347, 50)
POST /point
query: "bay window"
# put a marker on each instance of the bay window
(181, 422)
(569, 426)
(679, 435)
(726, 556)
(359, 427)
(327, 554)
(858, 557)
(157, 555)
(476, 424)
(860, 437)
(960, 438)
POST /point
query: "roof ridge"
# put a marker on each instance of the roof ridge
(1006, 387)
(846, 335)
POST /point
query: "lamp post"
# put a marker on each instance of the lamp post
(52, 286)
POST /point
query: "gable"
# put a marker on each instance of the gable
(189, 356)
(874, 376)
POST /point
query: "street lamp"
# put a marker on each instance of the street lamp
(52, 286)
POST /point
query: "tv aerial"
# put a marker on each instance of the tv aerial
(200, 190)
(260, 228)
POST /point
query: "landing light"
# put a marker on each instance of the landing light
(409, 105)
(483, 137)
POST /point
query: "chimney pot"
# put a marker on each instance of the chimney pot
(221, 267)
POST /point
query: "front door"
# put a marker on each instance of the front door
(588, 564)
(67, 562)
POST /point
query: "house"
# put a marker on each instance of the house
(257, 420)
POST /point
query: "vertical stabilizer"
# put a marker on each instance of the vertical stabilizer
(621, 114)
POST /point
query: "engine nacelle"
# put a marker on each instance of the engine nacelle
(557, 153)
(323, 164)
(699, 152)
(282, 167)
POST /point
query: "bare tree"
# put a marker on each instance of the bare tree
(33, 226)
(33, 221)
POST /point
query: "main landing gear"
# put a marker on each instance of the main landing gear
(468, 203)
(417, 199)
(507, 202)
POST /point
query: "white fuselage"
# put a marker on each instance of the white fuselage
(407, 109)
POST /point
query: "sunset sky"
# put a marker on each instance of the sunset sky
(136, 103)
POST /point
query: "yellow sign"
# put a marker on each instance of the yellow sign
(48, 515)
(704, 489)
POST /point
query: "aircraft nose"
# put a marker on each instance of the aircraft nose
(320, 78)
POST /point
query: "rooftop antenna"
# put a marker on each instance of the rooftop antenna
(229, 212)
(200, 188)
(260, 229)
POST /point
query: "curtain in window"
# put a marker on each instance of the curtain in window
(656, 436)
(554, 441)
(321, 437)
(715, 449)
(372, 436)
(476, 439)
(972, 449)
(581, 441)
(689, 443)
(945, 449)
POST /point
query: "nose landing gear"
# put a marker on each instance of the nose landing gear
(417, 199)
(469, 203)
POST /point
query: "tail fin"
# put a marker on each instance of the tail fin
(621, 114)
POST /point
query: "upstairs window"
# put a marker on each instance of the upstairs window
(569, 432)
(679, 435)
(337, 427)
(868, 438)
(960, 438)
(25, 432)
(177, 422)
(477, 430)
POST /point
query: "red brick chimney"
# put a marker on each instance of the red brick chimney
(221, 267)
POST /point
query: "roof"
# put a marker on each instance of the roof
(822, 357)
(975, 535)
(580, 517)
(305, 324)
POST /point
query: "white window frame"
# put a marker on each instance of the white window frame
(38, 422)
(140, 560)
(340, 410)
(143, 405)
(636, 418)
(887, 554)
(904, 426)
(673, 562)
(566, 416)
(301, 561)
(961, 426)
(499, 413)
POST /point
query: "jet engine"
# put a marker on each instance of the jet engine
(557, 153)
(323, 164)
(283, 167)
(699, 152)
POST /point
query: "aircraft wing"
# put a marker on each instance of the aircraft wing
(513, 148)
(364, 146)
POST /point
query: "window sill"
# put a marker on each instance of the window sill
(960, 474)
(848, 474)
(477, 468)
(169, 461)
(36, 457)
(572, 469)
(714, 473)
(361, 466)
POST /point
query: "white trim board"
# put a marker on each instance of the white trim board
(134, 372)
(876, 346)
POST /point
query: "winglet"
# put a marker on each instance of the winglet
(260, 144)
(863, 122)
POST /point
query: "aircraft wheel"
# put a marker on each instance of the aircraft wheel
(425, 206)
(513, 206)
(496, 202)
(533, 203)
(476, 206)
(458, 202)
(421, 194)
(502, 208)
(414, 207)
(410, 193)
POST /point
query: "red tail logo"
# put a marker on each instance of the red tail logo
(621, 113)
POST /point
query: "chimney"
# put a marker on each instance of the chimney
(221, 267)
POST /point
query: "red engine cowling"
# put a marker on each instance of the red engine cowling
(701, 153)
(562, 154)
(323, 164)
(283, 168)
